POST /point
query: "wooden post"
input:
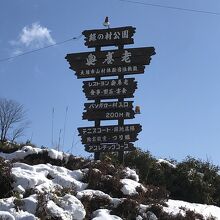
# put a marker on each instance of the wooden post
(121, 121)
(97, 122)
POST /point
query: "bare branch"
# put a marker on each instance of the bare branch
(11, 113)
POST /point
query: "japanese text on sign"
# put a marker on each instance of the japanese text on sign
(91, 59)
(107, 37)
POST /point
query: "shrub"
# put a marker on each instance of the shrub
(195, 181)
(6, 179)
(108, 184)
(192, 180)
(93, 203)
(127, 209)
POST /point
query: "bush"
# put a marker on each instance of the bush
(106, 178)
(196, 181)
(93, 203)
(6, 179)
(192, 180)
(8, 147)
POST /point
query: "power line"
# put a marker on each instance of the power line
(171, 7)
(42, 48)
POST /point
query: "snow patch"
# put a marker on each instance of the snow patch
(6, 216)
(46, 177)
(129, 186)
(101, 214)
(166, 162)
(205, 210)
(20, 154)
(131, 174)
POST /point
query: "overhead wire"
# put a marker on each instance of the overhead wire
(42, 48)
(170, 7)
(127, 1)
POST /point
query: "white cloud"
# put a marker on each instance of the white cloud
(34, 36)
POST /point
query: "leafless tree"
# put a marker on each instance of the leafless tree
(12, 119)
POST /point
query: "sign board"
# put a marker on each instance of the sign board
(111, 62)
(109, 138)
(112, 83)
(109, 37)
(125, 105)
(108, 115)
(110, 129)
(109, 89)
(110, 93)
(110, 147)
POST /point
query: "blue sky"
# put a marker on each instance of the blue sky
(179, 92)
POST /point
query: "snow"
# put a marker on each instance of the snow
(205, 210)
(21, 154)
(129, 186)
(6, 204)
(6, 216)
(28, 150)
(166, 162)
(54, 154)
(101, 214)
(30, 203)
(21, 215)
(91, 193)
(47, 179)
(73, 205)
(131, 174)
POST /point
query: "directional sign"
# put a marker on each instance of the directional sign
(108, 115)
(111, 62)
(110, 147)
(108, 89)
(110, 93)
(112, 83)
(109, 37)
(110, 129)
(125, 105)
(109, 138)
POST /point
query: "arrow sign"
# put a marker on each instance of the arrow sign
(125, 105)
(111, 62)
(110, 147)
(108, 115)
(110, 129)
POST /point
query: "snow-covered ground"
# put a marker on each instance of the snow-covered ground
(47, 179)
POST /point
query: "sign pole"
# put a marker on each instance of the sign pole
(97, 101)
(121, 121)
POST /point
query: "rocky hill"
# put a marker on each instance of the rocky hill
(43, 184)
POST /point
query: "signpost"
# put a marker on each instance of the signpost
(106, 63)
